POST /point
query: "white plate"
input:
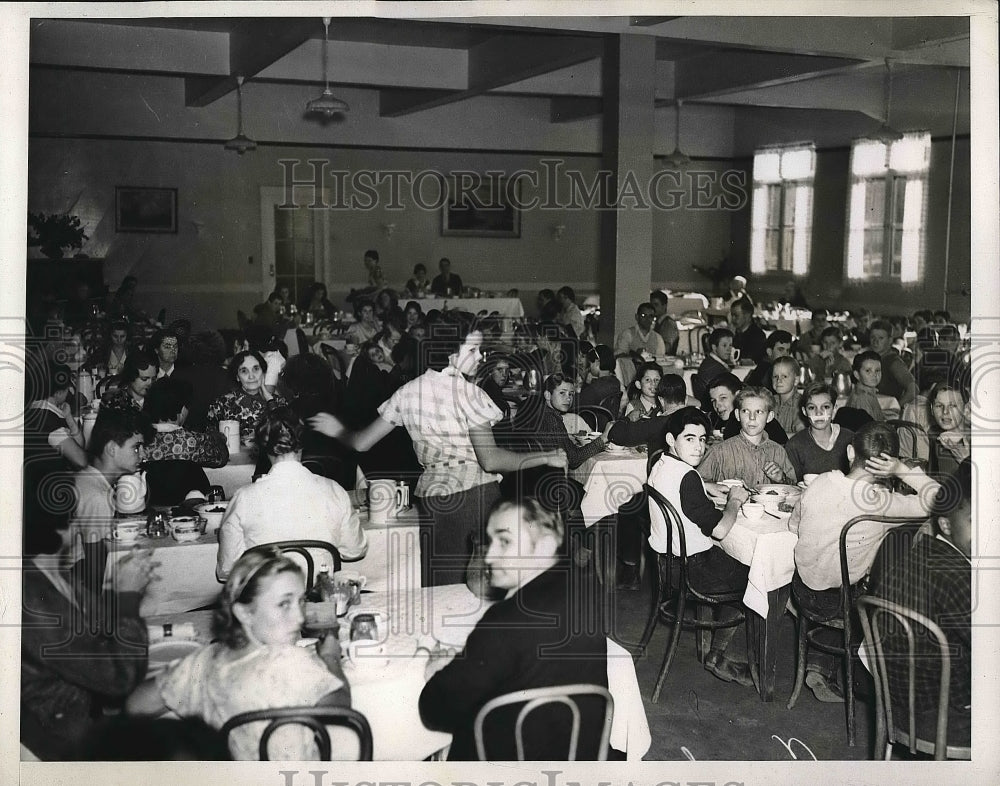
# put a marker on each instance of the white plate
(612, 448)
(778, 489)
(163, 653)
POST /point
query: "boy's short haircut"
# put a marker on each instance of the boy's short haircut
(729, 381)
(831, 331)
(786, 360)
(672, 389)
(752, 391)
(881, 324)
(658, 296)
(118, 426)
(861, 357)
(873, 439)
(818, 389)
(778, 337)
(686, 416)
(372, 254)
(718, 334)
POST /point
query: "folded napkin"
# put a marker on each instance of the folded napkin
(171, 630)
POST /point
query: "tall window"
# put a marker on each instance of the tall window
(294, 256)
(888, 206)
(781, 229)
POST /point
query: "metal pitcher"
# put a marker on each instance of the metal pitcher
(842, 383)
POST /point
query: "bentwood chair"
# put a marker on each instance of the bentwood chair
(895, 674)
(913, 440)
(533, 699)
(315, 718)
(302, 548)
(596, 416)
(811, 624)
(671, 611)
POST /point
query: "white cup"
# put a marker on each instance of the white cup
(381, 501)
(367, 655)
(127, 530)
(753, 510)
(231, 430)
(735, 354)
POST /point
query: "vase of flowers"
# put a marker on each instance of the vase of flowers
(53, 233)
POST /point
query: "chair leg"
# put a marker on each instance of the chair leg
(849, 693)
(703, 636)
(849, 700)
(800, 664)
(654, 605)
(668, 656)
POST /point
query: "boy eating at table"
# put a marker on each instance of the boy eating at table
(829, 360)
(750, 456)
(784, 376)
(722, 393)
(710, 569)
(823, 446)
(867, 373)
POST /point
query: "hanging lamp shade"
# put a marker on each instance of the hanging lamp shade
(240, 143)
(326, 103)
(677, 159)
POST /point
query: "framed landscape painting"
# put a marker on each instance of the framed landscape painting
(139, 209)
(486, 209)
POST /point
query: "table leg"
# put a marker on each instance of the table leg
(762, 640)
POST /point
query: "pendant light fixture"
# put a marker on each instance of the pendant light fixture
(326, 104)
(677, 159)
(886, 134)
(240, 143)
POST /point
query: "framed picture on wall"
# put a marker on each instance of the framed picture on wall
(483, 208)
(139, 209)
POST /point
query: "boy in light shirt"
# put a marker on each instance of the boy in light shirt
(750, 456)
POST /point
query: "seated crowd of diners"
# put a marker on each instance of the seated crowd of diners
(485, 422)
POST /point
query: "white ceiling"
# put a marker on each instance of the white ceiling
(756, 67)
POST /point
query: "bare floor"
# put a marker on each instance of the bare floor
(714, 720)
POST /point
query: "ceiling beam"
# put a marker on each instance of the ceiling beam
(566, 109)
(711, 75)
(498, 61)
(254, 44)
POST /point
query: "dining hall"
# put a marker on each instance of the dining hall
(501, 387)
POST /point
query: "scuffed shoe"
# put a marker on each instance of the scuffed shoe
(823, 688)
(729, 670)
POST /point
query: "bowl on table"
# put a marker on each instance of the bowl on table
(213, 513)
(615, 449)
(731, 483)
(184, 529)
(753, 511)
(365, 655)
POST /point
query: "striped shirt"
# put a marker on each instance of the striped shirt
(738, 458)
(438, 409)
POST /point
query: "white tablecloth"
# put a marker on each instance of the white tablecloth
(767, 547)
(236, 474)
(609, 480)
(504, 306)
(187, 570)
(389, 696)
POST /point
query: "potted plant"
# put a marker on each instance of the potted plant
(52, 233)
